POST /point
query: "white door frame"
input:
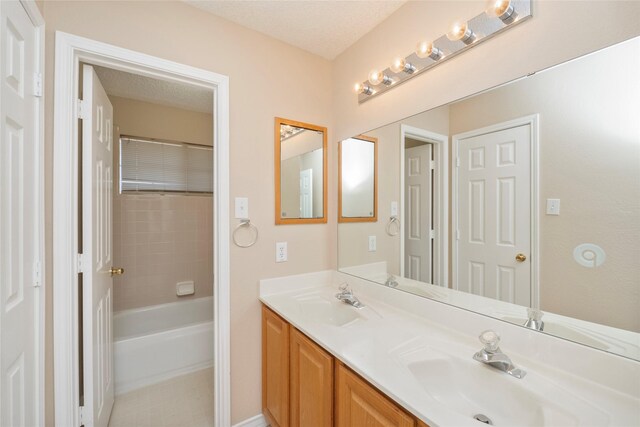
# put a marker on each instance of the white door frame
(70, 50)
(533, 122)
(37, 20)
(440, 196)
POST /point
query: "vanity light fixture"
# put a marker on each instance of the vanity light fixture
(400, 64)
(428, 50)
(498, 16)
(501, 9)
(461, 31)
(363, 88)
(376, 77)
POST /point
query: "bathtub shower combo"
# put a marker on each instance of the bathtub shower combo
(155, 343)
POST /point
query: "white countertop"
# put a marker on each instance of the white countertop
(394, 326)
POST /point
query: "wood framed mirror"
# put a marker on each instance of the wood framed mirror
(358, 179)
(300, 172)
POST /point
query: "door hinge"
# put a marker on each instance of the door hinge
(37, 85)
(457, 162)
(82, 415)
(432, 234)
(81, 262)
(82, 109)
(457, 234)
(432, 165)
(37, 274)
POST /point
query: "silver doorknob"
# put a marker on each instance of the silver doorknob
(116, 271)
(521, 257)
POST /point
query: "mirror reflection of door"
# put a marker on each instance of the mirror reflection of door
(494, 214)
(418, 223)
(306, 193)
(425, 184)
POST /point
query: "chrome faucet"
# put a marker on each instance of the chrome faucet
(534, 320)
(492, 355)
(391, 281)
(346, 296)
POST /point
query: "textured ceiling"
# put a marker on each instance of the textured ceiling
(325, 28)
(171, 94)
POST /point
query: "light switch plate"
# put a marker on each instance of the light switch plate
(281, 251)
(242, 208)
(394, 208)
(553, 206)
(372, 243)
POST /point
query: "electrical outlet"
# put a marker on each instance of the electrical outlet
(281, 251)
(372, 243)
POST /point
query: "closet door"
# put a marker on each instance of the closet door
(311, 383)
(275, 368)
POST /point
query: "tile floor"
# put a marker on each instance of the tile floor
(184, 401)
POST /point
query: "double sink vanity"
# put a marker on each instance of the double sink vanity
(384, 358)
(487, 259)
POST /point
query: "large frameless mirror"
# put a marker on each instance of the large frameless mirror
(521, 203)
(300, 172)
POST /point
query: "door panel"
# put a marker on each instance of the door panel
(97, 152)
(418, 260)
(275, 369)
(359, 404)
(311, 383)
(20, 403)
(494, 215)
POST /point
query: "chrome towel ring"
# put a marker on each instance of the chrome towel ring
(393, 219)
(245, 223)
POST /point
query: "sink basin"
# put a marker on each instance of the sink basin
(470, 388)
(319, 308)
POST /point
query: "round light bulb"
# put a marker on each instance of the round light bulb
(424, 49)
(362, 88)
(376, 77)
(497, 7)
(457, 31)
(398, 65)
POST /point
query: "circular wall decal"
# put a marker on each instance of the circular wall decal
(589, 255)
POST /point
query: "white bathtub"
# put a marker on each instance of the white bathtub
(152, 344)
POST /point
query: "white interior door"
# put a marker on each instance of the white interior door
(494, 215)
(20, 403)
(306, 193)
(97, 187)
(418, 242)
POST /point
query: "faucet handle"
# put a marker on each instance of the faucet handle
(490, 340)
(344, 288)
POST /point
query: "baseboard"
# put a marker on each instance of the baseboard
(257, 421)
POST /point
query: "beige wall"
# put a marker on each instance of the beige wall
(160, 239)
(590, 160)
(260, 69)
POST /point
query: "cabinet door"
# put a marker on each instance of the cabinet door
(360, 404)
(275, 368)
(311, 383)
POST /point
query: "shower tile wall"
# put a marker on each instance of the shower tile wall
(159, 241)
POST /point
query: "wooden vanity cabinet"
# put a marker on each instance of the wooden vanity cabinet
(360, 404)
(311, 387)
(304, 386)
(275, 368)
